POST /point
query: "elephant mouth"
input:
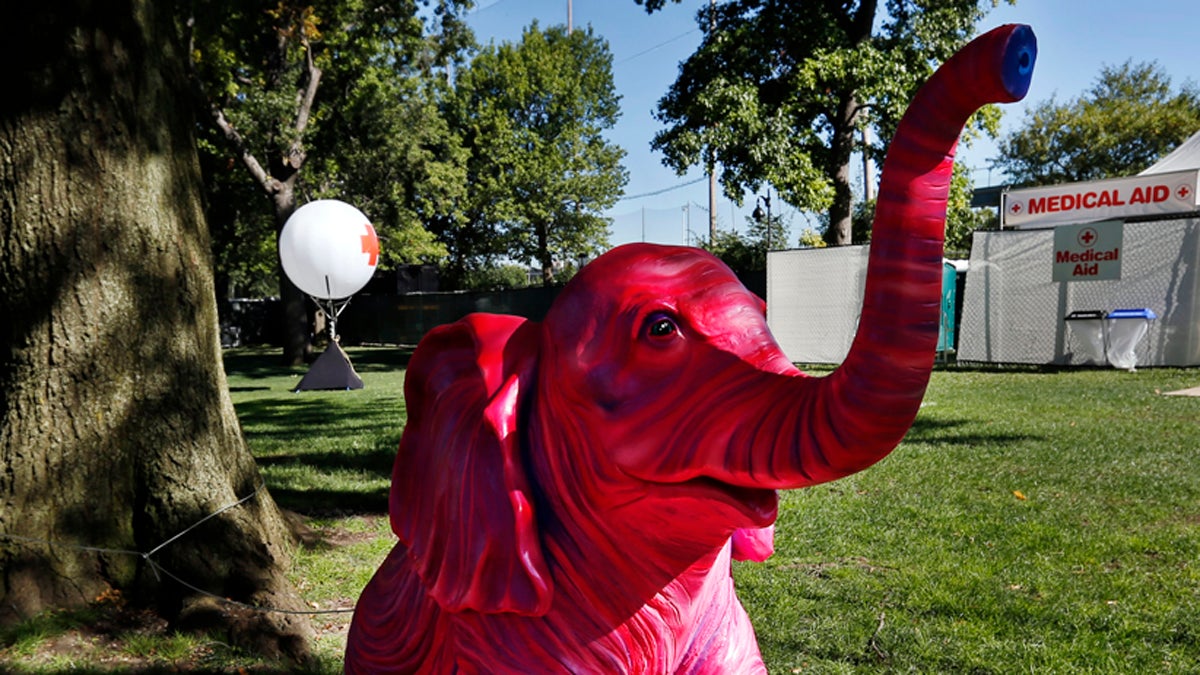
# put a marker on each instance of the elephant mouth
(759, 505)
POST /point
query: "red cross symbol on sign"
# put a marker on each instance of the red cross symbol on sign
(1015, 208)
(1087, 237)
(1183, 192)
(370, 244)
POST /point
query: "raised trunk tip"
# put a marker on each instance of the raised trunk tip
(872, 399)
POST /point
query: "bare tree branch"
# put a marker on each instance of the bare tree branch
(215, 111)
(296, 152)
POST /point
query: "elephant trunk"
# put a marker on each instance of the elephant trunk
(858, 414)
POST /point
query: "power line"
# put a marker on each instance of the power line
(666, 189)
(485, 8)
(661, 44)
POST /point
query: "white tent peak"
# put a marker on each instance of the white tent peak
(1186, 156)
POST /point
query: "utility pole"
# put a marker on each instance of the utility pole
(569, 17)
(712, 174)
(712, 206)
(868, 165)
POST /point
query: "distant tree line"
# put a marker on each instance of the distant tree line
(1128, 119)
(488, 159)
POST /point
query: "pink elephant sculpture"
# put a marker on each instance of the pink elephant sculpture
(568, 494)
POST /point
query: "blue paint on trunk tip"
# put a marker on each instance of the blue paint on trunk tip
(1020, 54)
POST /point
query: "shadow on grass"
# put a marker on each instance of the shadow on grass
(320, 452)
(264, 362)
(258, 363)
(379, 359)
(300, 420)
(376, 461)
(961, 432)
(127, 639)
(323, 445)
(324, 503)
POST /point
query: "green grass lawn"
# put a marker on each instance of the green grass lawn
(1032, 521)
(326, 455)
(322, 452)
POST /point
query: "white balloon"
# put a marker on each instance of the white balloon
(328, 249)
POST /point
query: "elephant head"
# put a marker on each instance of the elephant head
(560, 477)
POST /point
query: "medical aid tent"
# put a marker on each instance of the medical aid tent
(1090, 249)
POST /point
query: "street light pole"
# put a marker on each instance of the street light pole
(758, 216)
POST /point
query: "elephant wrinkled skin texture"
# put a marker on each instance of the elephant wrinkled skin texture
(568, 494)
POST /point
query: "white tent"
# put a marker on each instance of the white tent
(814, 298)
(1186, 156)
(1014, 310)
(1020, 289)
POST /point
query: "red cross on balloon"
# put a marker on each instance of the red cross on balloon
(370, 244)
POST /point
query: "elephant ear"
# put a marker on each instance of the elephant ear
(460, 496)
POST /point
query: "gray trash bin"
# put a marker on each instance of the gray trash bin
(1089, 330)
(1126, 328)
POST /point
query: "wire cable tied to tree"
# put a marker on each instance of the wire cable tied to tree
(160, 571)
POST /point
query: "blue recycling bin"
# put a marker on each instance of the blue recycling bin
(1126, 328)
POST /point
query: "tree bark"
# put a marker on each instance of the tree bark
(541, 231)
(117, 428)
(858, 27)
(297, 342)
(840, 211)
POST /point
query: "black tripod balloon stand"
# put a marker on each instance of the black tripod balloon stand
(332, 369)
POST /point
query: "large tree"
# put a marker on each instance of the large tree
(1128, 119)
(116, 429)
(540, 173)
(284, 82)
(777, 91)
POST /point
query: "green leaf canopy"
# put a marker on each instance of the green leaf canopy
(777, 90)
(532, 116)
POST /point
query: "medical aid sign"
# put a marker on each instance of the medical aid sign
(1088, 252)
(1150, 195)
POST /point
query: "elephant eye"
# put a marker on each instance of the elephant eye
(661, 326)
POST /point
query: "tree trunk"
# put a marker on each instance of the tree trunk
(543, 253)
(117, 428)
(297, 345)
(845, 123)
(840, 212)
(278, 180)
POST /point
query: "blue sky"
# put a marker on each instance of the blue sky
(1076, 38)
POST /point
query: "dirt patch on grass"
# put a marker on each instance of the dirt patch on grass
(344, 537)
(821, 569)
(105, 637)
